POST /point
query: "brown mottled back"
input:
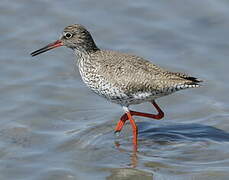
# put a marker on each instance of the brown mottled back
(133, 73)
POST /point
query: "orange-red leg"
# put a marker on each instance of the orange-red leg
(121, 122)
(124, 118)
(135, 131)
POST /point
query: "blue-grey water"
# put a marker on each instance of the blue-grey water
(52, 127)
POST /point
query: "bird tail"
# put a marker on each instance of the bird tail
(188, 81)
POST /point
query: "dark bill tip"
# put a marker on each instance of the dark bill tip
(50, 46)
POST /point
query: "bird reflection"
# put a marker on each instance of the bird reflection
(133, 156)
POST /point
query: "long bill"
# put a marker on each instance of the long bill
(50, 46)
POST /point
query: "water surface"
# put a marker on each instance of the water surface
(53, 127)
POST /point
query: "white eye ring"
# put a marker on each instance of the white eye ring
(68, 35)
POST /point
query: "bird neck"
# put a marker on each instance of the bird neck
(83, 56)
(85, 49)
(81, 53)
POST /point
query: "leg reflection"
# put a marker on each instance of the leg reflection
(133, 156)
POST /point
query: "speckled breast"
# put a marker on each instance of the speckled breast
(102, 87)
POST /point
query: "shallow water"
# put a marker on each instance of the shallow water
(53, 127)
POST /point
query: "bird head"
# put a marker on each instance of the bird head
(74, 36)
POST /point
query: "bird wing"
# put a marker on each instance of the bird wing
(134, 74)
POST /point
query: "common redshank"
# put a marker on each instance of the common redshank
(121, 78)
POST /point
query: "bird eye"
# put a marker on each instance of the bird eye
(68, 35)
